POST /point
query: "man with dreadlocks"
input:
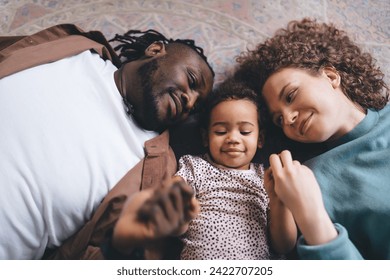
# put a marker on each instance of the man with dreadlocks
(82, 129)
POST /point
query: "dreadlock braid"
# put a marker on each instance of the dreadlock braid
(133, 43)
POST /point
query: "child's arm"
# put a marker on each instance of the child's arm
(282, 227)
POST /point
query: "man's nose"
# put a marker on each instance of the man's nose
(189, 100)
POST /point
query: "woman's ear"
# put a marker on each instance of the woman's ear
(333, 76)
(205, 137)
(154, 49)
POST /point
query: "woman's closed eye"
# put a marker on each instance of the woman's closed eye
(290, 96)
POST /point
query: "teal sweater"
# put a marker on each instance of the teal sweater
(354, 176)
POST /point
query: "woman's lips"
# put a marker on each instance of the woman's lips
(305, 125)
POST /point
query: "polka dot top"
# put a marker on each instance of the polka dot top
(232, 223)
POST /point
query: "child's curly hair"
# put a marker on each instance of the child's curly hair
(309, 45)
(231, 89)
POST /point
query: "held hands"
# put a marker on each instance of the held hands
(153, 214)
(296, 186)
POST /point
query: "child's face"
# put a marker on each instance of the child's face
(233, 133)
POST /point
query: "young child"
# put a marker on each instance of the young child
(234, 216)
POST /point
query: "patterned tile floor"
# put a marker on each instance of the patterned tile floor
(222, 27)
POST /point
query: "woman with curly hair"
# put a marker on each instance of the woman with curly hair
(320, 87)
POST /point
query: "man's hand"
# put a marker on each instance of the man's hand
(154, 214)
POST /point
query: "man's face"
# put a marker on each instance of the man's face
(171, 85)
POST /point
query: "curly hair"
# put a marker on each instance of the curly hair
(133, 43)
(232, 89)
(310, 45)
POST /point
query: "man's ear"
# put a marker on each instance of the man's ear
(333, 76)
(205, 137)
(154, 49)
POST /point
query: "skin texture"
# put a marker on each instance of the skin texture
(165, 84)
(310, 108)
(233, 138)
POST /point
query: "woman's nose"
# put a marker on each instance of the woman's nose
(290, 118)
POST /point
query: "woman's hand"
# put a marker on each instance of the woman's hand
(154, 214)
(296, 186)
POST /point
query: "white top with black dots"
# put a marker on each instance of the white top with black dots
(232, 223)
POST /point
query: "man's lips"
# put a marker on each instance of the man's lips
(305, 124)
(176, 106)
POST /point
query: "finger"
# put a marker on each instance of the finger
(187, 191)
(193, 210)
(268, 174)
(160, 225)
(145, 213)
(275, 163)
(286, 159)
(296, 163)
(176, 200)
(169, 203)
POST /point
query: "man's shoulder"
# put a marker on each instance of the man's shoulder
(49, 45)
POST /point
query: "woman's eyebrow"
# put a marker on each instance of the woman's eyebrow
(281, 93)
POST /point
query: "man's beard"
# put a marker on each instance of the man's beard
(149, 120)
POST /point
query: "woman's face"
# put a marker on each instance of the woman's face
(309, 108)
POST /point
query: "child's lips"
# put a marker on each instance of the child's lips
(233, 152)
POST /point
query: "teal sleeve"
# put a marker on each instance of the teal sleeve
(340, 248)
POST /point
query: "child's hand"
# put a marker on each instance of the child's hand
(269, 184)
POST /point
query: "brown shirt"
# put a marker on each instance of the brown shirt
(21, 52)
